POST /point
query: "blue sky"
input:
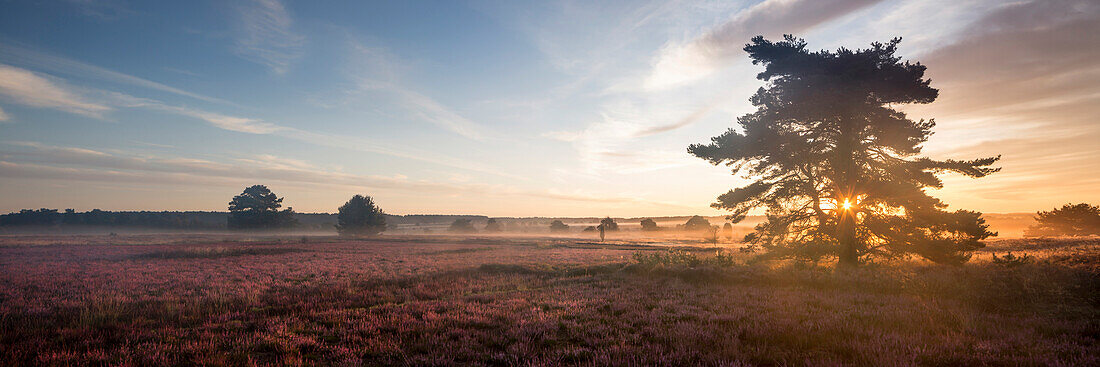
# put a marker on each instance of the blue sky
(499, 108)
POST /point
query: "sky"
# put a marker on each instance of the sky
(502, 108)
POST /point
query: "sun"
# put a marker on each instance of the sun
(847, 204)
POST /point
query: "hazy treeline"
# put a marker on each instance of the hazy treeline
(101, 218)
(1009, 225)
(185, 220)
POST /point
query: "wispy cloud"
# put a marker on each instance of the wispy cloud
(28, 88)
(4, 116)
(375, 69)
(266, 36)
(1026, 69)
(39, 90)
(107, 10)
(606, 146)
(22, 56)
(678, 63)
(691, 118)
(46, 161)
(225, 122)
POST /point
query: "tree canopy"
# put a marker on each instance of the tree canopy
(836, 167)
(258, 208)
(697, 223)
(462, 225)
(558, 226)
(359, 216)
(1069, 220)
(649, 225)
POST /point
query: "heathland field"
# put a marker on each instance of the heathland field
(235, 300)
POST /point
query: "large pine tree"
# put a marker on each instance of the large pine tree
(837, 168)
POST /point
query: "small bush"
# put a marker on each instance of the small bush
(674, 258)
(667, 258)
(1010, 260)
(721, 259)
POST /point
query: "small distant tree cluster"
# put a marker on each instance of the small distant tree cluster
(1069, 220)
(359, 216)
(648, 225)
(258, 208)
(558, 226)
(462, 225)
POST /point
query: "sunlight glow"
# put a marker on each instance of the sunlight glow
(846, 205)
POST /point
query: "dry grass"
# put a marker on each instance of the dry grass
(534, 302)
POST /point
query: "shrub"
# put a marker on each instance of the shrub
(558, 226)
(1069, 220)
(1010, 260)
(674, 258)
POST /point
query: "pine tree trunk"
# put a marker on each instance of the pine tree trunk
(847, 237)
(846, 225)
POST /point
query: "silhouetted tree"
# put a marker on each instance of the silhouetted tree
(727, 230)
(697, 223)
(609, 224)
(462, 225)
(258, 208)
(836, 166)
(558, 226)
(649, 225)
(1069, 220)
(492, 225)
(360, 217)
(711, 234)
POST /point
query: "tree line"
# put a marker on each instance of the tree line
(101, 218)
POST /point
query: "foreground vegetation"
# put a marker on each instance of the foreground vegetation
(210, 300)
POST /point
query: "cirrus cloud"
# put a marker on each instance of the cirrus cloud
(28, 88)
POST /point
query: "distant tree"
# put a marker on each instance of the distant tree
(727, 230)
(697, 223)
(1069, 220)
(258, 208)
(836, 166)
(711, 234)
(558, 226)
(649, 225)
(609, 224)
(462, 225)
(589, 229)
(492, 225)
(360, 217)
